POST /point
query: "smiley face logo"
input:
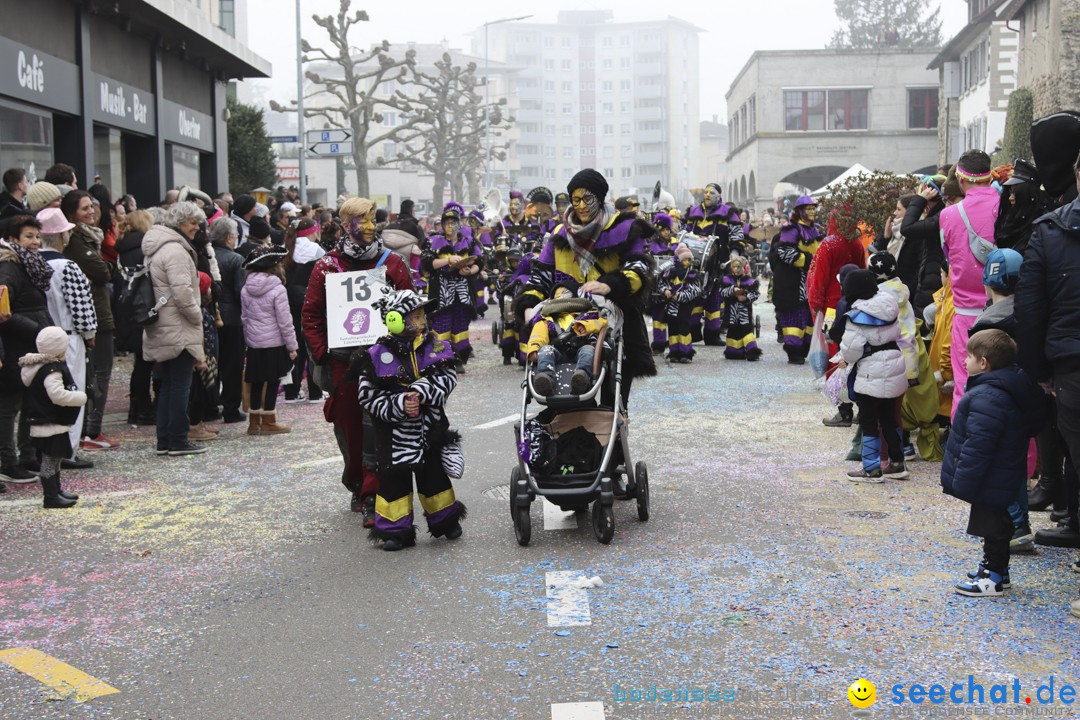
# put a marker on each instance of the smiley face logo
(862, 693)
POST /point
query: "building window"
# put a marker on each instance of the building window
(565, 42)
(227, 16)
(626, 172)
(624, 128)
(624, 85)
(609, 129)
(567, 108)
(922, 108)
(549, 86)
(607, 86)
(816, 110)
(566, 64)
(568, 152)
(606, 63)
(549, 64)
(609, 172)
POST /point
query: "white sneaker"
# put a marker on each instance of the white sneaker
(897, 471)
(981, 586)
(1074, 608)
(296, 400)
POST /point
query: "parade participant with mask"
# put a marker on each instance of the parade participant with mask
(359, 249)
(606, 254)
(562, 204)
(717, 219)
(452, 261)
(790, 257)
(514, 224)
(404, 382)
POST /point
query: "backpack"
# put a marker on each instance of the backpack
(137, 296)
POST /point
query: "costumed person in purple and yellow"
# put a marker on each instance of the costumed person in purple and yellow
(740, 289)
(513, 273)
(452, 260)
(714, 218)
(680, 289)
(474, 225)
(662, 247)
(562, 204)
(789, 258)
(514, 223)
(607, 254)
(405, 380)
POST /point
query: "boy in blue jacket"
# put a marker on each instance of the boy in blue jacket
(986, 457)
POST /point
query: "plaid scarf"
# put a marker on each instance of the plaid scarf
(583, 237)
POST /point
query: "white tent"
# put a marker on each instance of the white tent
(852, 171)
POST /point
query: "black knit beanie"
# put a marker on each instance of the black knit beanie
(590, 180)
(859, 285)
(883, 265)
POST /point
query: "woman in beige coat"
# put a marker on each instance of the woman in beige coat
(175, 341)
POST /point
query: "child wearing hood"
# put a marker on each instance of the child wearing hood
(681, 289)
(52, 405)
(870, 346)
(986, 457)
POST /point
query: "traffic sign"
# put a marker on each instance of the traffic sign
(284, 138)
(332, 148)
(327, 136)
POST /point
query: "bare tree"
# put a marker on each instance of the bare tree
(448, 137)
(354, 103)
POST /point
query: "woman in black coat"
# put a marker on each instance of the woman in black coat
(925, 233)
(26, 276)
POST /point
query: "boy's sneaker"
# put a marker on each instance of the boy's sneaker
(543, 383)
(580, 382)
(18, 476)
(1005, 582)
(186, 449)
(863, 476)
(99, 442)
(980, 586)
(897, 471)
(1023, 540)
(1074, 608)
(909, 452)
(1075, 567)
(294, 400)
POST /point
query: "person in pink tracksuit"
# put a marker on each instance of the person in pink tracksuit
(967, 236)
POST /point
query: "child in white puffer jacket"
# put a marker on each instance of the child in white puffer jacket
(878, 376)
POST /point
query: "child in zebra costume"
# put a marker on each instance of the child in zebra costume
(681, 289)
(739, 290)
(405, 381)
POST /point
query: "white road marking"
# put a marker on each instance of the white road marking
(568, 604)
(578, 711)
(555, 518)
(496, 423)
(6, 505)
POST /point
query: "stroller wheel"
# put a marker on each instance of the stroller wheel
(603, 522)
(641, 477)
(519, 512)
(496, 333)
(522, 526)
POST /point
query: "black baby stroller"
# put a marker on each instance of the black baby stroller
(575, 448)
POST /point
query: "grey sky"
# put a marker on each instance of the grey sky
(731, 30)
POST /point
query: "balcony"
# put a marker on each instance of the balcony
(649, 113)
(648, 136)
(648, 158)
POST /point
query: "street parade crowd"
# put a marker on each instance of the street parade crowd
(946, 334)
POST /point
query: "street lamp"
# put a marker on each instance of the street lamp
(487, 96)
(300, 106)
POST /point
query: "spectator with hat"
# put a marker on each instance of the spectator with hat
(258, 235)
(71, 306)
(42, 195)
(243, 210)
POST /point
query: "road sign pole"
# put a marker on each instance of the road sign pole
(300, 105)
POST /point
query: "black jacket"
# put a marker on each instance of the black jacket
(908, 262)
(29, 315)
(926, 235)
(410, 225)
(986, 456)
(231, 266)
(1047, 306)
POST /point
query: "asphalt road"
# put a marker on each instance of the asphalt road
(237, 584)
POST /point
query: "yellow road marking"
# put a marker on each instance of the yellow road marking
(56, 674)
